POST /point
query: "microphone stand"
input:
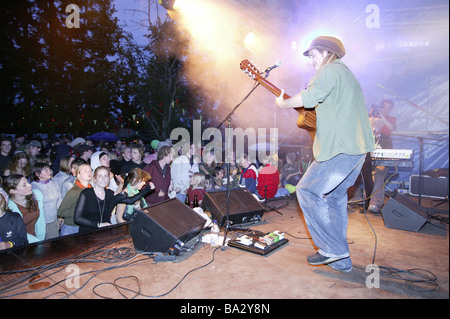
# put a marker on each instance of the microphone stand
(230, 139)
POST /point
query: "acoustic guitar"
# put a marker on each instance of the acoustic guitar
(306, 119)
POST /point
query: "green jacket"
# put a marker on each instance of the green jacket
(66, 209)
(342, 119)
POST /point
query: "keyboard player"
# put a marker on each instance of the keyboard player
(382, 124)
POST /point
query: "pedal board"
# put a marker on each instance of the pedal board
(262, 244)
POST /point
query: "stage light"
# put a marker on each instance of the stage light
(253, 42)
(250, 39)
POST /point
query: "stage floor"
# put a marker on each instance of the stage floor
(105, 265)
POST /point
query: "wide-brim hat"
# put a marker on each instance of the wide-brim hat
(327, 43)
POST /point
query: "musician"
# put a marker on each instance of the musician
(342, 140)
(382, 124)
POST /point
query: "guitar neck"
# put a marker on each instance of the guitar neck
(306, 119)
(272, 88)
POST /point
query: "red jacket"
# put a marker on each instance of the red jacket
(160, 180)
(200, 192)
(270, 177)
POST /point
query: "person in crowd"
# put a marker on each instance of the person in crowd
(76, 142)
(182, 169)
(70, 180)
(104, 146)
(43, 158)
(196, 189)
(235, 176)
(64, 170)
(84, 151)
(159, 170)
(269, 177)
(291, 172)
(28, 203)
(137, 179)
(209, 183)
(136, 154)
(66, 209)
(249, 174)
(117, 147)
(114, 163)
(153, 152)
(125, 154)
(219, 182)
(19, 164)
(41, 176)
(342, 137)
(33, 149)
(5, 153)
(95, 205)
(61, 151)
(13, 232)
(208, 163)
(101, 158)
(19, 143)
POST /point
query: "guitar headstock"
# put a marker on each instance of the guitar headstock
(254, 73)
(251, 70)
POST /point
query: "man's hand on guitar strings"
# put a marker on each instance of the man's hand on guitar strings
(279, 101)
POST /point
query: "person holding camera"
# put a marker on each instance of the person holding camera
(382, 124)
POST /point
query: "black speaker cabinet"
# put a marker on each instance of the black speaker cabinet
(243, 207)
(434, 187)
(400, 212)
(159, 227)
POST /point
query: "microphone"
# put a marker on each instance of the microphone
(276, 65)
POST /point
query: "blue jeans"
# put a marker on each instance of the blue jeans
(68, 230)
(181, 197)
(322, 196)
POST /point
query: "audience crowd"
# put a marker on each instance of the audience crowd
(74, 185)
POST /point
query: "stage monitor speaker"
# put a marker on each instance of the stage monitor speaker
(244, 208)
(403, 213)
(159, 227)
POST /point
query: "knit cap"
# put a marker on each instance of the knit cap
(327, 43)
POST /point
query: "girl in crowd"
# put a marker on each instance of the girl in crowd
(197, 189)
(102, 158)
(28, 203)
(249, 175)
(159, 171)
(42, 175)
(208, 164)
(19, 165)
(95, 205)
(137, 154)
(268, 180)
(70, 180)
(12, 228)
(66, 210)
(32, 150)
(64, 170)
(137, 178)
